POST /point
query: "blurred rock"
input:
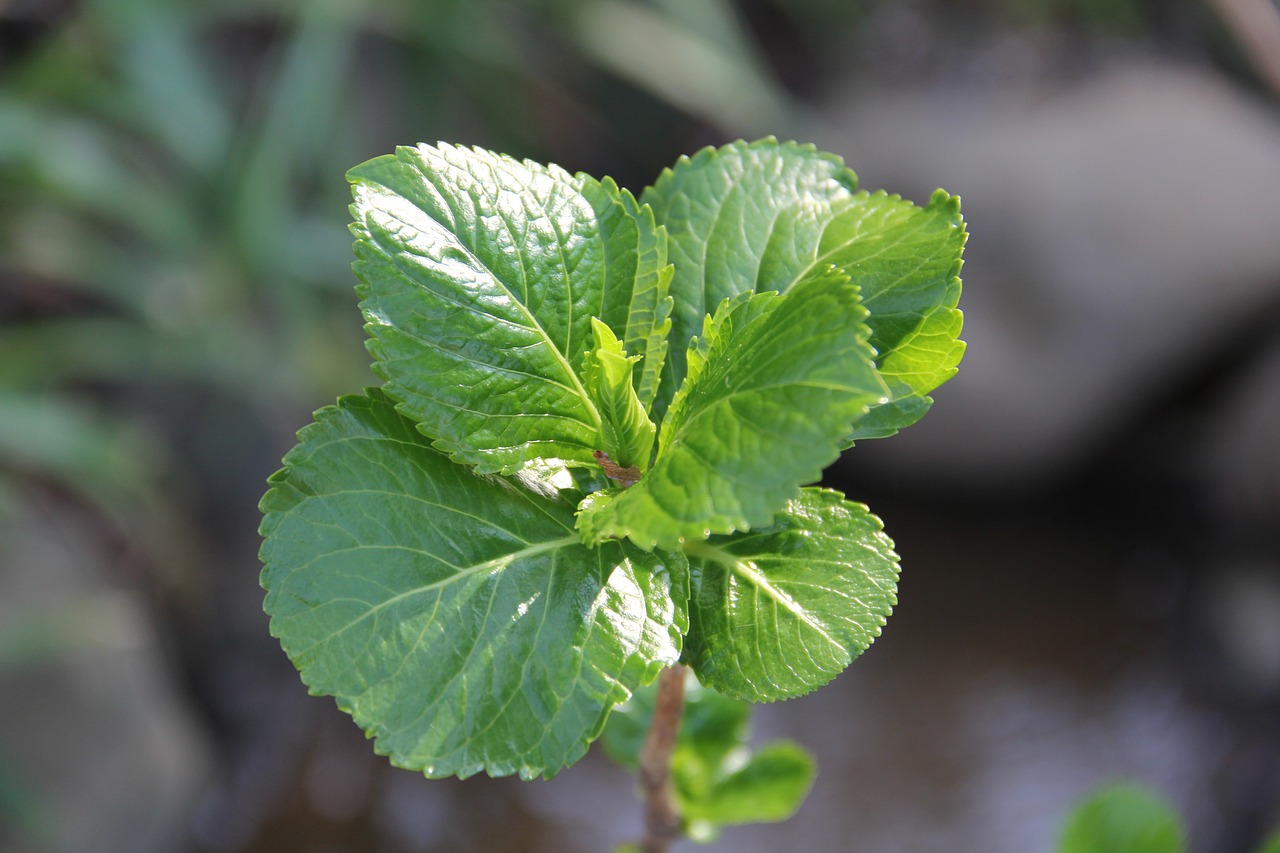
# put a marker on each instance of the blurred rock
(91, 730)
(1244, 459)
(1124, 228)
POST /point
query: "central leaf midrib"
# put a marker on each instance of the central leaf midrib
(459, 575)
(757, 579)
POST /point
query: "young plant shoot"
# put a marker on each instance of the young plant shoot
(591, 454)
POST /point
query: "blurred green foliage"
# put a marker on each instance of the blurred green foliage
(1123, 818)
(1127, 817)
(172, 208)
(172, 203)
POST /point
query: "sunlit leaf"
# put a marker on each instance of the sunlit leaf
(458, 619)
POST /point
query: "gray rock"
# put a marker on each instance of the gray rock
(94, 734)
(1122, 226)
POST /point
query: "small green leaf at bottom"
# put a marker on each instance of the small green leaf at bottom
(770, 787)
(457, 618)
(717, 778)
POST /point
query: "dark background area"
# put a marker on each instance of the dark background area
(1089, 517)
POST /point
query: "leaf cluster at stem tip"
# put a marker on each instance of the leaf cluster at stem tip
(591, 451)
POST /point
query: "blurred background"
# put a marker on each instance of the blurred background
(1089, 518)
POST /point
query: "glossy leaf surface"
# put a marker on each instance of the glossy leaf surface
(772, 385)
(718, 208)
(457, 618)
(780, 611)
(479, 278)
(765, 215)
(627, 433)
(636, 304)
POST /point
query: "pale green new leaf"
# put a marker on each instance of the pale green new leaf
(763, 215)
(780, 611)
(479, 278)
(635, 302)
(772, 386)
(457, 618)
(628, 432)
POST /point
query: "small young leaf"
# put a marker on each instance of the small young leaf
(717, 778)
(479, 278)
(637, 279)
(458, 619)
(780, 611)
(1123, 819)
(772, 387)
(627, 431)
(770, 787)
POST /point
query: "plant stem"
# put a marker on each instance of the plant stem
(661, 819)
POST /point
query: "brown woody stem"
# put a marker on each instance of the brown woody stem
(661, 818)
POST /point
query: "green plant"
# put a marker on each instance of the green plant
(586, 462)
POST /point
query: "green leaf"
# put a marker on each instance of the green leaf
(772, 387)
(637, 279)
(457, 618)
(627, 431)
(906, 261)
(1123, 818)
(780, 611)
(480, 275)
(718, 208)
(716, 777)
(1272, 844)
(765, 215)
(769, 787)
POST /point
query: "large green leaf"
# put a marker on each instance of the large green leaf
(772, 386)
(480, 275)
(764, 215)
(457, 618)
(779, 612)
